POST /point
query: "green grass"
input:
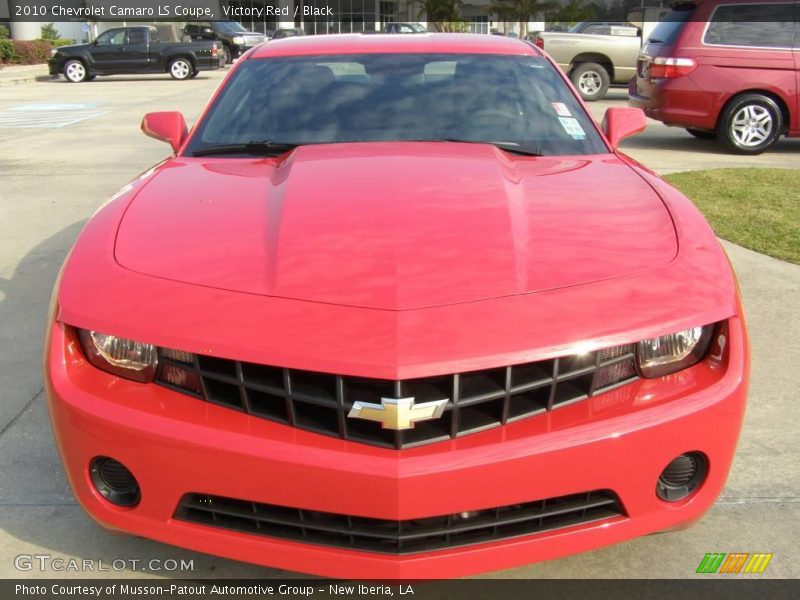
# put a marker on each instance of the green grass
(755, 208)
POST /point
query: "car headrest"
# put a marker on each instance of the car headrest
(315, 76)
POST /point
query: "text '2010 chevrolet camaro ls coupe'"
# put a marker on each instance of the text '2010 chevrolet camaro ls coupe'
(396, 308)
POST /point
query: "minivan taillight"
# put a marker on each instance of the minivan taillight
(667, 68)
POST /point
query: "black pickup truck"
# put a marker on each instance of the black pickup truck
(235, 39)
(134, 50)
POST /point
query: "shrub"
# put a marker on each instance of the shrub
(58, 43)
(4, 34)
(16, 52)
(31, 53)
(49, 32)
(7, 52)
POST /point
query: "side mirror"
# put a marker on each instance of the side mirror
(620, 123)
(166, 126)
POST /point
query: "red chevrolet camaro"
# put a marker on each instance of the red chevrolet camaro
(396, 308)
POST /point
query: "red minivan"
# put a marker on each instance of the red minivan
(727, 69)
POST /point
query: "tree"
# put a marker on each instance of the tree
(520, 10)
(618, 10)
(444, 15)
(49, 32)
(574, 11)
(506, 10)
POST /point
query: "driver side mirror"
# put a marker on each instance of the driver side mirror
(620, 123)
(168, 126)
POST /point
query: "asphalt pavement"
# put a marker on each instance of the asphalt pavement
(65, 148)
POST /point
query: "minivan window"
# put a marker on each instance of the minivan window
(754, 25)
(666, 32)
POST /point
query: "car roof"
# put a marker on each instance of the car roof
(391, 43)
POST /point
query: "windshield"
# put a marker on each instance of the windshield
(519, 102)
(229, 27)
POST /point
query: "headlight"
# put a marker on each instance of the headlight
(120, 356)
(53, 52)
(669, 353)
(238, 40)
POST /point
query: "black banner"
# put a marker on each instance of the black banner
(714, 588)
(339, 11)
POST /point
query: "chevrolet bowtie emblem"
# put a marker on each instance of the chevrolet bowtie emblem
(398, 413)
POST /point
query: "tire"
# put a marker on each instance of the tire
(702, 134)
(591, 80)
(750, 124)
(181, 69)
(195, 73)
(226, 55)
(75, 71)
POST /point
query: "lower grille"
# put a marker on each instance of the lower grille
(681, 470)
(399, 537)
(321, 402)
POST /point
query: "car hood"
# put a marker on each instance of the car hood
(72, 47)
(395, 226)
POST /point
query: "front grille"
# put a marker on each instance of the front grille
(399, 537)
(320, 402)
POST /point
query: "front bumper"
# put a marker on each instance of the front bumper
(237, 50)
(175, 444)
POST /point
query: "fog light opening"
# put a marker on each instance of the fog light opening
(114, 481)
(682, 476)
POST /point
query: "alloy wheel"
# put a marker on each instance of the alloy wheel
(180, 69)
(751, 125)
(75, 71)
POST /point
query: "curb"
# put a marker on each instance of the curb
(21, 79)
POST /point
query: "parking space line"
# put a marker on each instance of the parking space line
(48, 115)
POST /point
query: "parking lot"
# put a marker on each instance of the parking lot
(67, 148)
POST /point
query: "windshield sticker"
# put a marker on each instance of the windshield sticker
(561, 109)
(572, 127)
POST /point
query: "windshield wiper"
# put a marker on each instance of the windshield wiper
(510, 147)
(265, 147)
(270, 148)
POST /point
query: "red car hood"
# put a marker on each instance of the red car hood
(395, 226)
